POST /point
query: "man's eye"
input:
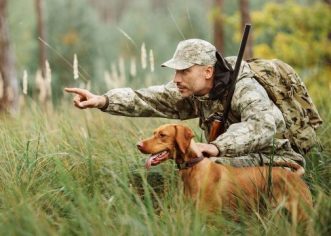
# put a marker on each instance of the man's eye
(183, 71)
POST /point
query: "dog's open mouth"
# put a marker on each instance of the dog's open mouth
(156, 159)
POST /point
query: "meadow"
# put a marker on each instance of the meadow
(64, 171)
(73, 172)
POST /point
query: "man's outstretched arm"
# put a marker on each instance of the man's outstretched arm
(156, 101)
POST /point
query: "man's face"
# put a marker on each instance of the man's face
(196, 80)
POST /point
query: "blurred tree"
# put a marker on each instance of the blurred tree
(120, 8)
(246, 19)
(294, 33)
(158, 4)
(42, 35)
(110, 11)
(104, 9)
(298, 35)
(22, 23)
(74, 32)
(218, 25)
(8, 80)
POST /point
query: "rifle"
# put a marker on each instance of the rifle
(218, 125)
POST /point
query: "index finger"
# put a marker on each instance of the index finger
(76, 90)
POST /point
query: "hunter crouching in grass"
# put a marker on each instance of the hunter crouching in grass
(258, 132)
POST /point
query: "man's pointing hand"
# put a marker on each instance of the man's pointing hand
(85, 99)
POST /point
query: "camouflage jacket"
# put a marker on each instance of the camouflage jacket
(256, 124)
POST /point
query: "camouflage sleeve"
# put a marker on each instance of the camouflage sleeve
(260, 121)
(156, 101)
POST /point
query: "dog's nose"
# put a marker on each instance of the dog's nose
(140, 145)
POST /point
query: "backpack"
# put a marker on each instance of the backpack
(288, 92)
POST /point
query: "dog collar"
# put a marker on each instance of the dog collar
(190, 163)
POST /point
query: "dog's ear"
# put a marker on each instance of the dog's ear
(183, 137)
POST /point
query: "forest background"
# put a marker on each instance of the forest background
(70, 171)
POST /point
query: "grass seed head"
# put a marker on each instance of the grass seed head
(133, 67)
(143, 56)
(25, 82)
(75, 67)
(48, 74)
(151, 60)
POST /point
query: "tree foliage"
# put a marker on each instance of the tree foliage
(297, 34)
(294, 31)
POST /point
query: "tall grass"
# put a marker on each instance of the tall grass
(79, 173)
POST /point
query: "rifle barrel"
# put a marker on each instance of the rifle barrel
(241, 50)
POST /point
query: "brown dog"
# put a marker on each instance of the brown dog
(215, 186)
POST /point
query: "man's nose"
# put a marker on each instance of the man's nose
(177, 78)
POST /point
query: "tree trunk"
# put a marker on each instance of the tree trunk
(120, 9)
(42, 35)
(8, 79)
(44, 81)
(104, 9)
(159, 4)
(245, 19)
(218, 26)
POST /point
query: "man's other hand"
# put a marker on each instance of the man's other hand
(209, 150)
(85, 99)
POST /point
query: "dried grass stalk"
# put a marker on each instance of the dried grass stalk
(25, 82)
(107, 78)
(48, 73)
(151, 60)
(75, 67)
(10, 93)
(133, 67)
(143, 56)
(121, 67)
(40, 86)
(114, 76)
(88, 85)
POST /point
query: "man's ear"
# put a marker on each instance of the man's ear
(183, 137)
(209, 71)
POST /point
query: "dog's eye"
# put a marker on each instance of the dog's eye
(162, 135)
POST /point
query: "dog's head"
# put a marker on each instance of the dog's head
(171, 141)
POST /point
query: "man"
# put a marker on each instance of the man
(199, 87)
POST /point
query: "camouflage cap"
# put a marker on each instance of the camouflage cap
(192, 52)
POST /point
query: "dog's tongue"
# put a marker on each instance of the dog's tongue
(156, 159)
(149, 160)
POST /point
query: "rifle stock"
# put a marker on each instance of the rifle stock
(215, 130)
